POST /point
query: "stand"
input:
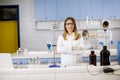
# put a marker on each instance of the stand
(54, 65)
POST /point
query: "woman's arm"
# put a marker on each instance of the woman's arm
(62, 45)
(78, 44)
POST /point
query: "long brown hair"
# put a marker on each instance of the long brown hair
(77, 35)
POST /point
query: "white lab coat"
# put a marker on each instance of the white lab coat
(66, 45)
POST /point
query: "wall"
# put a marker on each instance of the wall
(30, 37)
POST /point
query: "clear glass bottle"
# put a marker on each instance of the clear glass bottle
(104, 56)
(92, 58)
(19, 51)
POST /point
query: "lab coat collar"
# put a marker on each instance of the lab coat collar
(70, 36)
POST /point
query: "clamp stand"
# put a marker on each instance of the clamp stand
(54, 65)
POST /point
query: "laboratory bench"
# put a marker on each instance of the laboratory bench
(30, 66)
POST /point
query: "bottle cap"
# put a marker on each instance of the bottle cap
(104, 47)
(92, 52)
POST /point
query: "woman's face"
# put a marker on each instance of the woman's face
(69, 26)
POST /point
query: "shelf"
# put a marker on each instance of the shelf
(85, 29)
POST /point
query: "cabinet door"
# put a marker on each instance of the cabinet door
(14, 77)
(51, 10)
(86, 8)
(99, 76)
(85, 76)
(74, 9)
(45, 9)
(69, 76)
(43, 76)
(96, 9)
(62, 9)
(40, 9)
(111, 8)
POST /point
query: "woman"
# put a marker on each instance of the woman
(70, 39)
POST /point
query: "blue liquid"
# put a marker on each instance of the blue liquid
(54, 66)
(49, 46)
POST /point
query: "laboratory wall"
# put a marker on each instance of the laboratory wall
(30, 37)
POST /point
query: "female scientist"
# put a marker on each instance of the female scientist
(69, 41)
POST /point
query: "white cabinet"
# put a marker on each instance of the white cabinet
(41, 76)
(85, 76)
(69, 76)
(63, 73)
(99, 76)
(60, 76)
(28, 77)
(14, 77)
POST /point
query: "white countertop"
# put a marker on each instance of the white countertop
(82, 71)
(41, 69)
